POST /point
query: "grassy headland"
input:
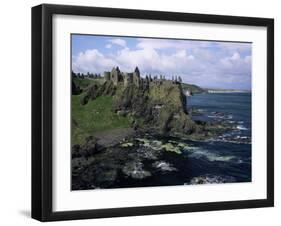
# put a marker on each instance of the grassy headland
(93, 117)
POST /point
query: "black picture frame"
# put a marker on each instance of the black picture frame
(42, 111)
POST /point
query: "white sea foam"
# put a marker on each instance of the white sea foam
(230, 116)
(212, 116)
(232, 139)
(199, 153)
(211, 179)
(164, 166)
(240, 127)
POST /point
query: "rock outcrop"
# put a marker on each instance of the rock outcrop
(75, 89)
(94, 91)
(156, 105)
(161, 106)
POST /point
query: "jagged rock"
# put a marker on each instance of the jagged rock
(122, 113)
(94, 91)
(161, 106)
(107, 88)
(84, 99)
(75, 89)
(75, 152)
(90, 148)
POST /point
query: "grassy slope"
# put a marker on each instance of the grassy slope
(84, 83)
(93, 117)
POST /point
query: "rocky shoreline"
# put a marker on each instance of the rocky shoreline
(132, 162)
(130, 158)
(150, 151)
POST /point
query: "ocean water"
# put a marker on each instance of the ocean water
(228, 157)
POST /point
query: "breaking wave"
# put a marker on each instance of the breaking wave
(240, 127)
(211, 179)
(210, 156)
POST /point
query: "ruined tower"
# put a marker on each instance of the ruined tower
(106, 75)
(128, 78)
(116, 75)
(136, 77)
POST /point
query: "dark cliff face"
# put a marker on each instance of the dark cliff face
(160, 106)
(75, 89)
(96, 90)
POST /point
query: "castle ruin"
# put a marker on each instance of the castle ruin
(116, 76)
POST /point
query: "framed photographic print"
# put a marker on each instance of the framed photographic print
(145, 112)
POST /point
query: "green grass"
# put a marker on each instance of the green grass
(84, 83)
(93, 117)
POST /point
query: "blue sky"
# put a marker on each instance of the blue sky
(205, 63)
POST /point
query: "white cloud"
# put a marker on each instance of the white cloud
(203, 63)
(118, 41)
(235, 56)
(236, 64)
(108, 46)
(92, 61)
(191, 57)
(148, 60)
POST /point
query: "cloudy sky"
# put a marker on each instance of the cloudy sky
(205, 63)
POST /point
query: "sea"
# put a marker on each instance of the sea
(226, 158)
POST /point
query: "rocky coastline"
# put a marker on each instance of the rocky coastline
(147, 151)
